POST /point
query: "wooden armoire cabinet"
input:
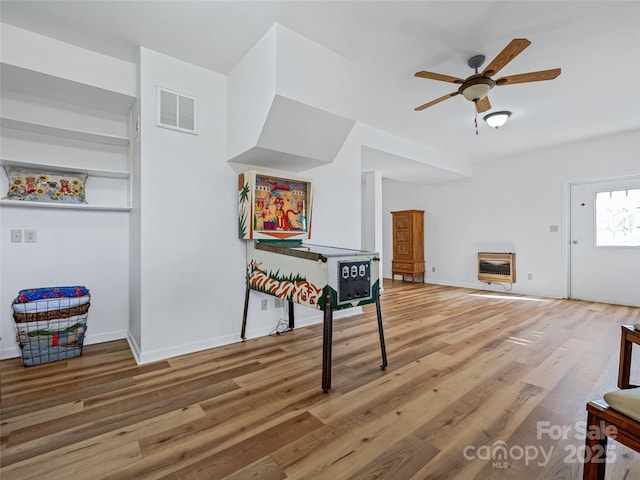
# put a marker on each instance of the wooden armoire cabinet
(408, 244)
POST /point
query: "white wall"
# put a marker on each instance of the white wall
(508, 205)
(371, 230)
(368, 214)
(191, 275)
(73, 247)
(191, 281)
(134, 333)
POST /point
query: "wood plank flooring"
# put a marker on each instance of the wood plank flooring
(479, 386)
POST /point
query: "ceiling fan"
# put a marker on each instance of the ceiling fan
(476, 87)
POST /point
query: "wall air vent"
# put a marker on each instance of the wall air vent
(176, 111)
(497, 267)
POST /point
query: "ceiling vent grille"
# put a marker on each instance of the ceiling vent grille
(176, 111)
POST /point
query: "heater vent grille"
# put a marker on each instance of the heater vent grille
(176, 111)
(497, 267)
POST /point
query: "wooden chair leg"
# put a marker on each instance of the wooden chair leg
(595, 451)
(603, 421)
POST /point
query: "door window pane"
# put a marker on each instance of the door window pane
(618, 218)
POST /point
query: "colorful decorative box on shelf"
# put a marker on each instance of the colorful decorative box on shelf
(51, 323)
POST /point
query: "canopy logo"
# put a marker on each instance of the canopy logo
(500, 454)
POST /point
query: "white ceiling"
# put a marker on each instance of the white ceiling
(596, 43)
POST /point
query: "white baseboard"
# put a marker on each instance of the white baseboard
(495, 287)
(165, 353)
(14, 350)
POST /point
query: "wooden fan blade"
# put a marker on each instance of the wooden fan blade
(437, 100)
(529, 77)
(483, 105)
(439, 76)
(511, 51)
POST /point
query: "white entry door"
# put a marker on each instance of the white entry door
(605, 241)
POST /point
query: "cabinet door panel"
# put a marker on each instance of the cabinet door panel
(403, 236)
(403, 222)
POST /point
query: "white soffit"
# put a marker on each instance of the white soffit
(303, 122)
(303, 130)
(264, 158)
(297, 137)
(403, 169)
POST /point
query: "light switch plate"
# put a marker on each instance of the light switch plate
(30, 235)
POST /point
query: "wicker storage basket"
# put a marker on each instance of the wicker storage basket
(51, 323)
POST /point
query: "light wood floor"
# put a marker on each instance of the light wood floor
(469, 372)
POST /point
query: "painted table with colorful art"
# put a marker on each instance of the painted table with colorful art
(320, 277)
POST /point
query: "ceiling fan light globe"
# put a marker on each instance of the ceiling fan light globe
(476, 92)
(476, 87)
(497, 119)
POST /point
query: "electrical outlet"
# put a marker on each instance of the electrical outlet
(30, 235)
(433, 269)
(279, 302)
(16, 236)
(265, 304)
(529, 276)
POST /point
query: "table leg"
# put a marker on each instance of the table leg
(244, 315)
(326, 341)
(383, 349)
(292, 322)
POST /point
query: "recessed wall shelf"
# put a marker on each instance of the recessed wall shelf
(63, 132)
(53, 124)
(66, 168)
(66, 206)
